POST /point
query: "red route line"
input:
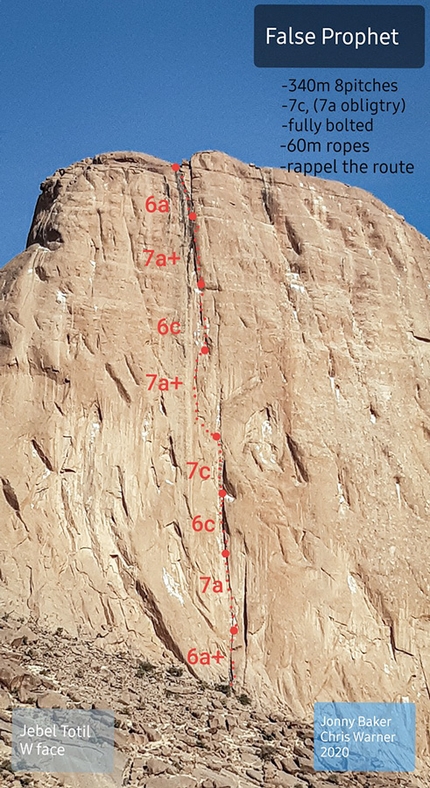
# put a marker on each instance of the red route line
(204, 351)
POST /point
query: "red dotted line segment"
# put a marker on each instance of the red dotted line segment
(204, 350)
(200, 281)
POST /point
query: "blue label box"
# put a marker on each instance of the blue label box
(364, 737)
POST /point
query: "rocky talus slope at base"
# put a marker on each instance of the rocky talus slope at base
(172, 731)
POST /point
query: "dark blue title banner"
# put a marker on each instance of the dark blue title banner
(339, 36)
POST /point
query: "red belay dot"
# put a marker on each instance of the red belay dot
(216, 436)
(234, 630)
(225, 553)
(222, 493)
(192, 216)
(205, 350)
(201, 284)
(176, 167)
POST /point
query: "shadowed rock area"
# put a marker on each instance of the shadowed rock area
(316, 312)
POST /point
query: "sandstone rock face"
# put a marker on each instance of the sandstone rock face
(316, 315)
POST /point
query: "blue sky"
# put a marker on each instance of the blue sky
(168, 78)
